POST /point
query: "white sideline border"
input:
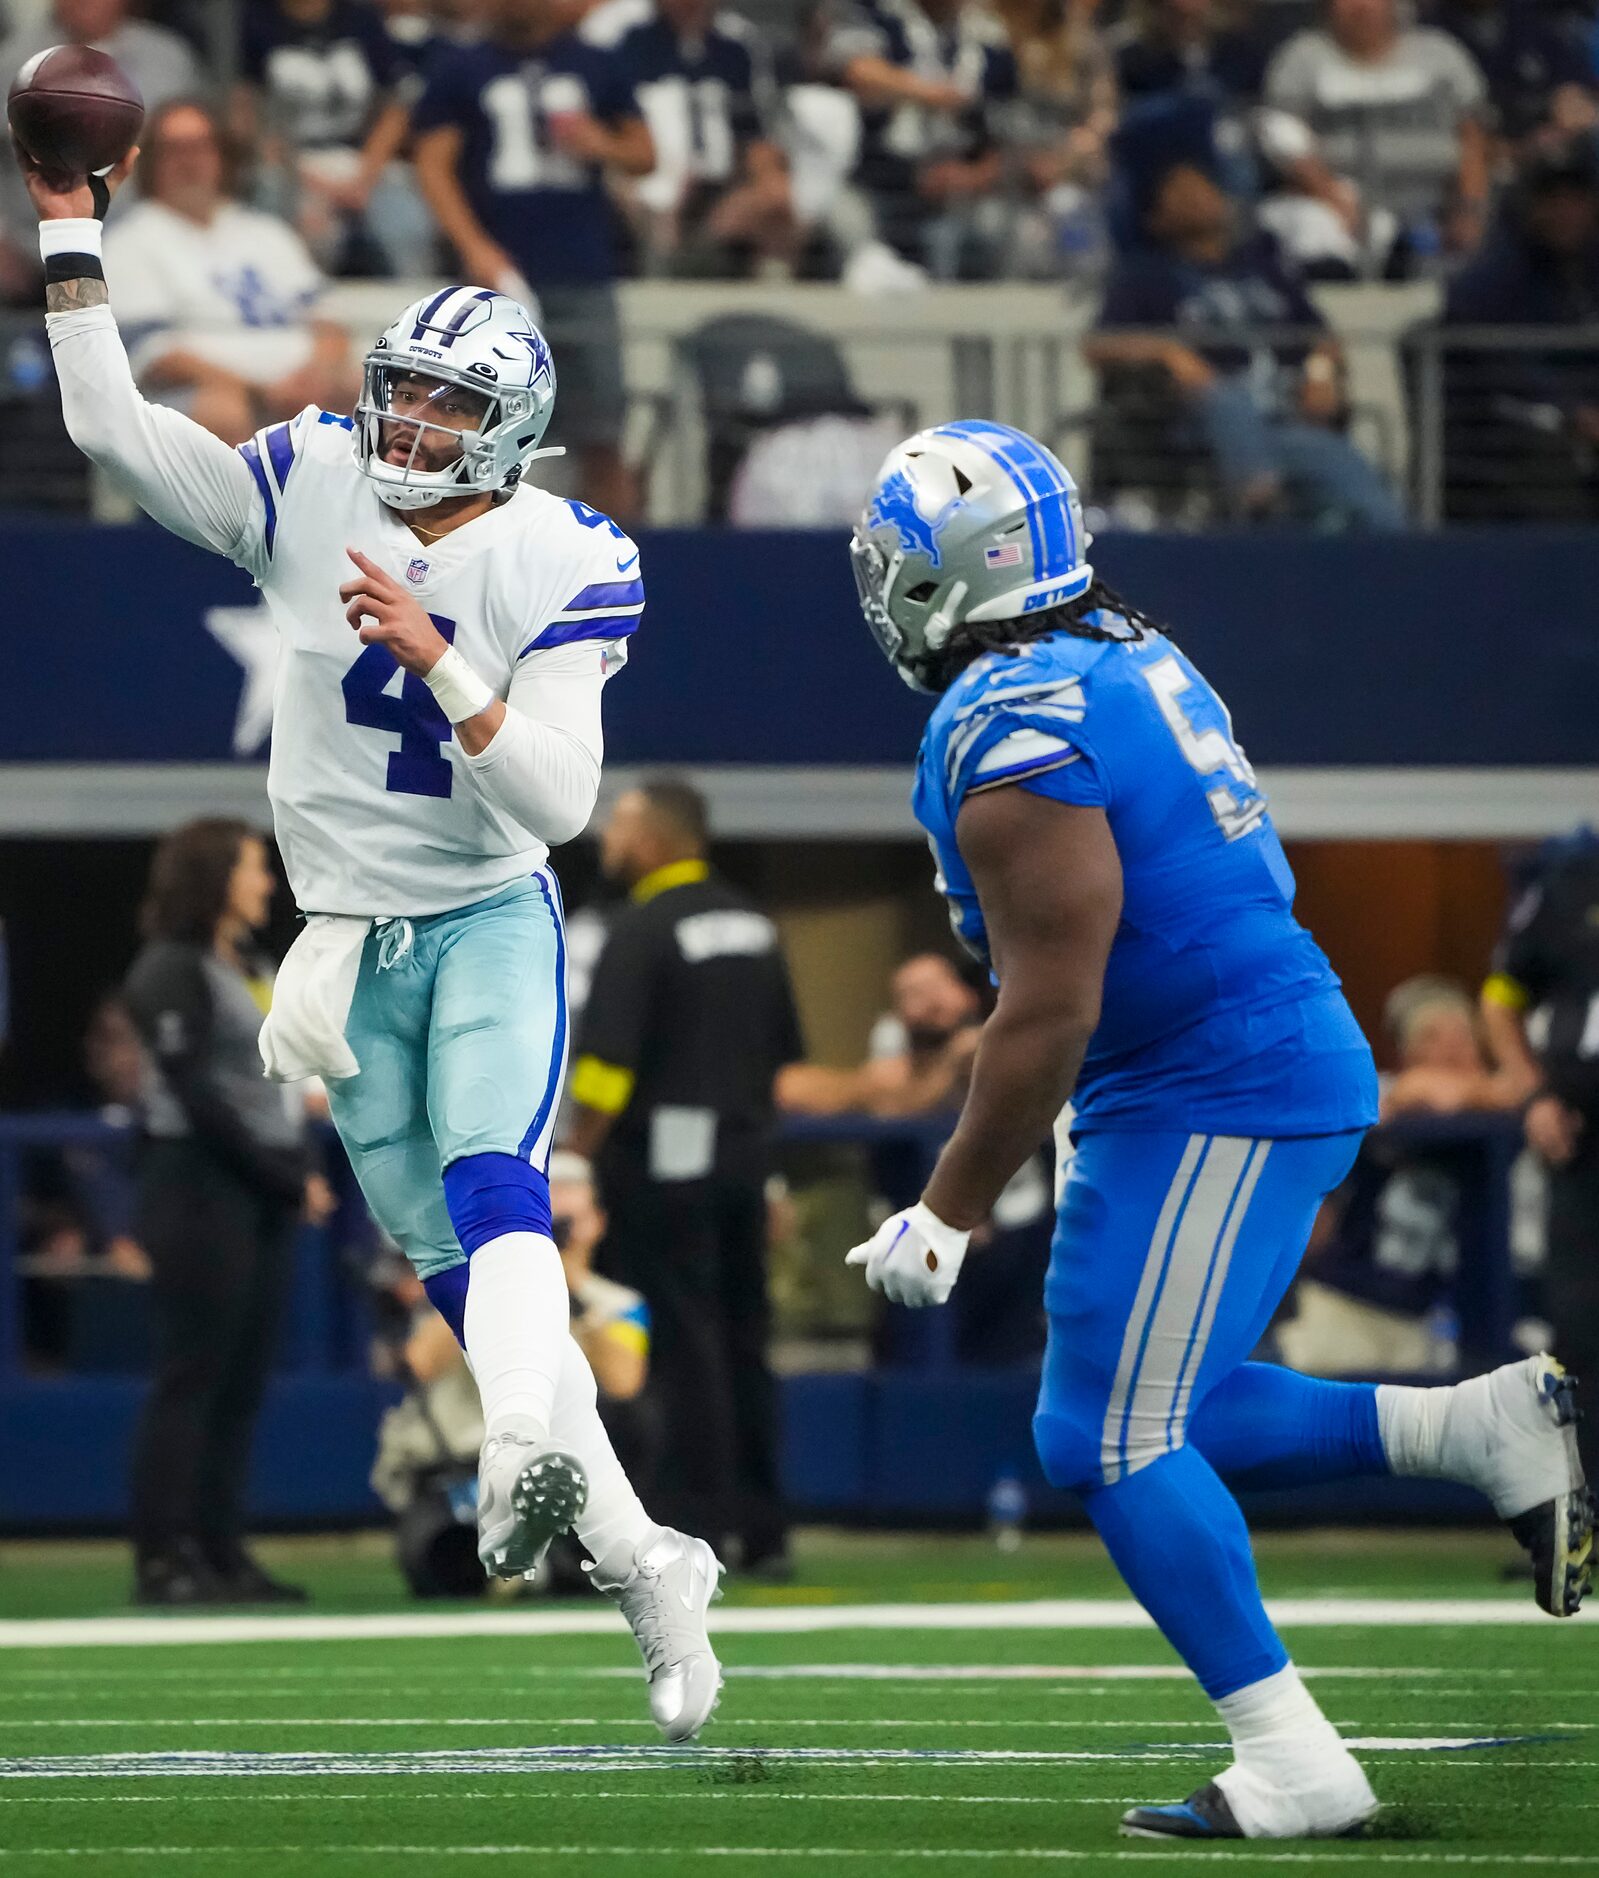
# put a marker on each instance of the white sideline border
(56, 1633)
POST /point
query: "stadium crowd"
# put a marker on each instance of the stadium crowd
(1196, 163)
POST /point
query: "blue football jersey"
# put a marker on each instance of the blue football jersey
(548, 210)
(1220, 1013)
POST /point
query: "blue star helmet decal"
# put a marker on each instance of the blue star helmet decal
(534, 341)
(894, 506)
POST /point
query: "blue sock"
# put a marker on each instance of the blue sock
(1177, 1537)
(1270, 1427)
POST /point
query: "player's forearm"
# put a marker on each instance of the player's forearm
(435, 158)
(632, 149)
(543, 777)
(1025, 1068)
(384, 141)
(179, 368)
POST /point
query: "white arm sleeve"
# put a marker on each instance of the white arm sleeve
(180, 475)
(542, 766)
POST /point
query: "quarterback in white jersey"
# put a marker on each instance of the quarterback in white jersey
(446, 631)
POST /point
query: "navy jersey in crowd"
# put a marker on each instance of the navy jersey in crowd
(1229, 66)
(970, 50)
(321, 77)
(1152, 288)
(547, 209)
(699, 96)
(1525, 56)
(1221, 1014)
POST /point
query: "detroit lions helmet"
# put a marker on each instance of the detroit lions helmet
(967, 521)
(475, 339)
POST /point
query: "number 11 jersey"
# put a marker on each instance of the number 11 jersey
(375, 809)
(1220, 1014)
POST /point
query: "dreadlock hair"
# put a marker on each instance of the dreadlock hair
(972, 638)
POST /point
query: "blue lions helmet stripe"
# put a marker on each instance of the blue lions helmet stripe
(1041, 481)
(894, 506)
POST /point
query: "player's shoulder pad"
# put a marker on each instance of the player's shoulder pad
(276, 451)
(600, 567)
(1009, 716)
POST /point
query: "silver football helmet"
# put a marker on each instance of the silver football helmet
(967, 521)
(463, 338)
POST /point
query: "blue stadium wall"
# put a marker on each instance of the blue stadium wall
(1445, 649)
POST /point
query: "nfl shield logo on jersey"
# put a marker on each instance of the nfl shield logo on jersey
(417, 572)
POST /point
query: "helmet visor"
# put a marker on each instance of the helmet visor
(418, 423)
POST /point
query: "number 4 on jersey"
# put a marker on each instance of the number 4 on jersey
(418, 767)
(1209, 752)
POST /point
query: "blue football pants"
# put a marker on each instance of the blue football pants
(1172, 1253)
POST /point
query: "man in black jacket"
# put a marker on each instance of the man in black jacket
(690, 1017)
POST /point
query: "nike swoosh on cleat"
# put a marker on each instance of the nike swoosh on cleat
(623, 566)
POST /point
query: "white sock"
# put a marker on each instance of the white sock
(1290, 1769)
(1411, 1423)
(1277, 1726)
(516, 1328)
(613, 1523)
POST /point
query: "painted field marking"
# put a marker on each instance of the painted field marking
(1355, 1855)
(181, 1763)
(1040, 1614)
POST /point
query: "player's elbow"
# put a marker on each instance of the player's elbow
(568, 812)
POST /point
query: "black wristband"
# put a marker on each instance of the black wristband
(73, 267)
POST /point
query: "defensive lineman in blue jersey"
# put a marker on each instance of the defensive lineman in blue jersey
(1103, 843)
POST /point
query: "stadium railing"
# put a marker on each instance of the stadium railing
(1423, 400)
(328, 1326)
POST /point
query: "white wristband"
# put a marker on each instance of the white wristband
(459, 690)
(72, 234)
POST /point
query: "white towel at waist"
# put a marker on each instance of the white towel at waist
(304, 1031)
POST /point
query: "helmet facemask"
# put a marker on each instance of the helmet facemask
(441, 458)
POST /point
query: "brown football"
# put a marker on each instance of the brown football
(74, 110)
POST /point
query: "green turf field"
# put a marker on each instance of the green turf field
(860, 1726)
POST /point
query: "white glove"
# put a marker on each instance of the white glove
(913, 1258)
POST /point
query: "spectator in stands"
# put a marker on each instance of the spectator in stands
(1384, 1252)
(1521, 426)
(320, 100)
(1065, 114)
(158, 62)
(1269, 412)
(930, 77)
(217, 301)
(1384, 127)
(514, 140)
(917, 1058)
(719, 193)
(1187, 45)
(222, 1180)
(1539, 76)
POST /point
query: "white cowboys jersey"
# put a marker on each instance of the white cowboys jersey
(375, 810)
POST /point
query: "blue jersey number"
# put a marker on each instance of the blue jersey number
(418, 767)
(592, 518)
(1234, 796)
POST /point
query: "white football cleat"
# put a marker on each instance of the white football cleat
(1513, 1434)
(673, 1583)
(527, 1492)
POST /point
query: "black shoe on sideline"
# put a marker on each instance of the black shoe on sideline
(246, 1582)
(176, 1580)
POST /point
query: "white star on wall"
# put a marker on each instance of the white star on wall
(247, 634)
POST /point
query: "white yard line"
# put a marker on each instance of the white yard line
(235, 1764)
(1042, 1614)
(1355, 1853)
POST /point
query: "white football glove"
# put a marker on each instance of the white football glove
(912, 1258)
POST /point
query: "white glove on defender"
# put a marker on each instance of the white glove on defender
(912, 1258)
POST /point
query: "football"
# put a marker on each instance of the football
(74, 111)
